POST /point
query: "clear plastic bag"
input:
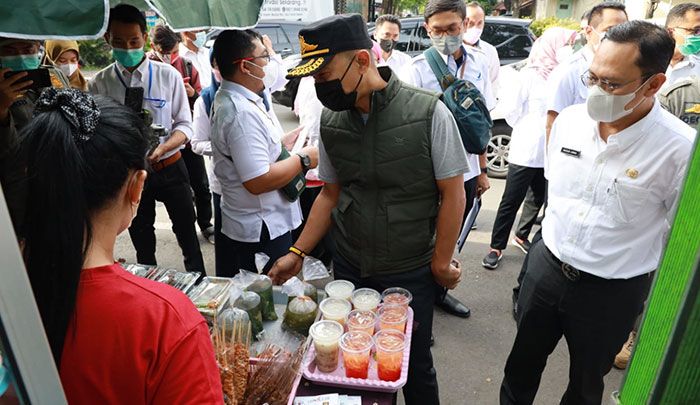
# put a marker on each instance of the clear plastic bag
(314, 269)
(300, 314)
(261, 285)
(251, 303)
(295, 288)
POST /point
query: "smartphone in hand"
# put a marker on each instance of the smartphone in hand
(40, 77)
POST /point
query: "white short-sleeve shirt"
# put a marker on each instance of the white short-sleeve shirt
(246, 141)
(525, 111)
(565, 85)
(610, 204)
(397, 61)
(201, 141)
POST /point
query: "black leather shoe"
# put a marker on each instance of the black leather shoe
(432, 340)
(452, 305)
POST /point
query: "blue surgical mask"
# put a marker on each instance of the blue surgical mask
(21, 62)
(200, 39)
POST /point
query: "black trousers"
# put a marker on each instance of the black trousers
(523, 268)
(325, 249)
(422, 386)
(519, 179)
(171, 186)
(219, 251)
(233, 255)
(200, 186)
(593, 314)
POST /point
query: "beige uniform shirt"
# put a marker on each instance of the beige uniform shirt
(682, 99)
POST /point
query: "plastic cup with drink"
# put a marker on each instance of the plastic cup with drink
(356, 347)
(326, 336)
(390, 345)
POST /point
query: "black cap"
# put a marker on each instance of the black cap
(320, 41)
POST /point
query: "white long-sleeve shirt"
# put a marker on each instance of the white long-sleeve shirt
(201, 141)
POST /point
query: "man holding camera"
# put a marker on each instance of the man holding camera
(159, 89)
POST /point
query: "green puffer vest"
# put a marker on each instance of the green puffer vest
(384, 222)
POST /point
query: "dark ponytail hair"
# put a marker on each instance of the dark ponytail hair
(72, 173)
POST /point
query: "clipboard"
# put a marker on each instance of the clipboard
(468, 223)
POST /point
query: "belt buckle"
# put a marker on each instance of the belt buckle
(570, 272)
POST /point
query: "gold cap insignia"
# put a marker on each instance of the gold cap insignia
(305, 48)
(693, 110)
(632, 173)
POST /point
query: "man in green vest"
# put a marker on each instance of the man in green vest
(393, 163)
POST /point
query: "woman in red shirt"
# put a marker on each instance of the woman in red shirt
(116, 338)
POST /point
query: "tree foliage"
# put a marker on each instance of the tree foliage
(541, 25)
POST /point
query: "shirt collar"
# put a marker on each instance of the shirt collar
(141, 70)
(241, 90)
(688, 61)
(465, 54)
(630, 135)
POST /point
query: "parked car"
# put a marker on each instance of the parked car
(283, 34)
(513, 40)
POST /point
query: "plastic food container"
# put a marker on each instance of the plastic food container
(183, 281)
(390, 345)
(211, 296)
(397, 296)
(393, 317)
(341, 289)
(337, 378)
(366, 299)
(362, 321)
(335, 309)
(326, 336)
(356, 347)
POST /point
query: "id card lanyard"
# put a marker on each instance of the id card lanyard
(157, 102)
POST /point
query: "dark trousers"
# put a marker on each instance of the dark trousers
(233, 255)
(200, 186)
(519, 179)
(422, 386)
(218, 250)
(325, 249)
(171, 186)
(523, 268)
(593, 314)
(470, 194)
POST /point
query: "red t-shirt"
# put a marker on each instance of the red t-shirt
(135, 341)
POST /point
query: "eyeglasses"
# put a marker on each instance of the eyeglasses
(589, 80)
(451, 30)
(694, 31)
(264, 56)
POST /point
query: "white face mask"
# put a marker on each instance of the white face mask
(270, 77)
(472, 35)
(606, 107)
(68, 69)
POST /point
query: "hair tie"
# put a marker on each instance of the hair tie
(78, 108)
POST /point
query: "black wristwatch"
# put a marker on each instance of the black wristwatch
(484, 170)
(305, 162)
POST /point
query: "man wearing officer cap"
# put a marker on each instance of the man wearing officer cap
(392, 162)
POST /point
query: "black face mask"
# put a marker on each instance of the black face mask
(387, 45)
(332, 95)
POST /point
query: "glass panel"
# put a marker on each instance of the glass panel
(405, 37)
(518, 47)
(11, 392)
(422, 40)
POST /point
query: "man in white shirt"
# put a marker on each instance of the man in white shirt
(246, 139)
(387, 33)
(615, 175)
(192, 48)
(446, 23)
(565, 81)
(683, 23)
(472, 38)
(159, 89)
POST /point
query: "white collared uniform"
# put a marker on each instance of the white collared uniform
(246, 141)
(609, 207)
(419, 74)
(689, 66)
(201, 62)
(565, 84)
(525, 108)
(164, 94)
(492, 57)
(201, 141)
(398, 61)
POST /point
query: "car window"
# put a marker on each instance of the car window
(407, 30)
(277, 36)
(422, 40)
(292, 31)
(517, 48)
(511, 41)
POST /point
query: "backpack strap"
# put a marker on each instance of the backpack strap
(439, 67)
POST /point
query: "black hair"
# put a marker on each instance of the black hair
(655, 44)
(586, 16)
(68, 181)
(597, 11)
(231, 46)
(679, 11)
(127, 14)
(440, 6)
(388, 18)
(165, 38)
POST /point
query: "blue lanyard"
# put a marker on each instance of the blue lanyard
(159, 102)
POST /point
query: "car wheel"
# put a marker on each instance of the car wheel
(497, 151)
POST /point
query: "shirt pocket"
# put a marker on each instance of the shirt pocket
(625, 201)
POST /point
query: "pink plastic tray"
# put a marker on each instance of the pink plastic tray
(372, 383)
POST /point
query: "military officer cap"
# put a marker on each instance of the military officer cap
(325, 38)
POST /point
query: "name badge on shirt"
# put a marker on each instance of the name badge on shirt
(571, 152)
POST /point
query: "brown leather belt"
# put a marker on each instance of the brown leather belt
(166, 162)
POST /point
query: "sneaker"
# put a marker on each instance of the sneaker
(523, 245)
(623, 358)
(491, 260)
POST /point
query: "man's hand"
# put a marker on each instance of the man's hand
(267, 42)
(482, 184)
(156, 155)
(285, 268)
(190, 90)
(448, 277)
(10, 90)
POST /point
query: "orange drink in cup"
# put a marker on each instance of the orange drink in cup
(397, 296)
(393, 317)
(326, 335)
(390, 345)
(362, 321)
(356, 347)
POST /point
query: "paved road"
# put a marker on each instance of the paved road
(469, 354)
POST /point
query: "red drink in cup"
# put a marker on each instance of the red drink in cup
(356, 347)
(390, 345)
(362, 321)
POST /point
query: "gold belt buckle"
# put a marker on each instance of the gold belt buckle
(570, 272)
